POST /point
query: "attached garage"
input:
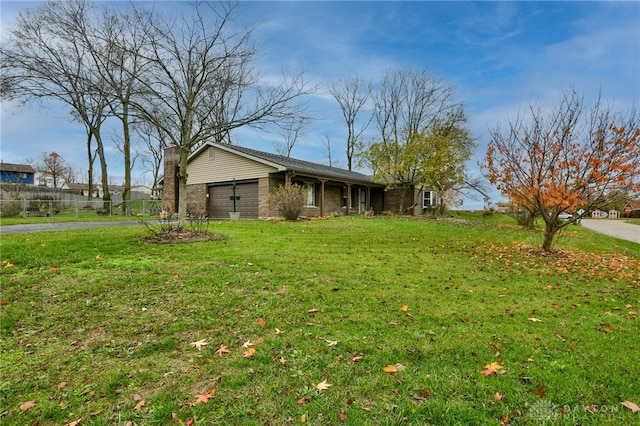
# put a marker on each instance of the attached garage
(221, 199)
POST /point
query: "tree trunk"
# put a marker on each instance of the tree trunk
(126, 151)
(549, 233)
(90, 171)
(106, 195)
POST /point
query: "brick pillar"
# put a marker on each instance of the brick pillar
(170, 187)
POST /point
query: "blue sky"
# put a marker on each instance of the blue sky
(500, 56)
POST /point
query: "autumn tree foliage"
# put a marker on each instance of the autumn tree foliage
(567, 159)
(424, 141)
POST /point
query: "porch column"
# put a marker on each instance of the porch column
(368, 198)
(322, 181)
(348, 199)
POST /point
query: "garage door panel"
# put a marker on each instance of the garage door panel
(221, 203)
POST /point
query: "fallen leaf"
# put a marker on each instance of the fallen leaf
(139, 405)
(25, 406)
(8, 264)
(203, 398)
(74, 423)
(631, 406)
(4, 302)
(199, 344)
(323, 385)
(249, 353)
(491, 368)
(53, 267)
(95, 413)
(404, 308)
(540, 390)
(497, 396)
(282, 360)
(505, 419)
(247, 344)
(222, 350)
(356, 358)
(331, 342)
(423, 395)
(390, 369)
(262, 322)
(189, 422)
(535, 320)
(277, 331)
(98, 257)
(63, 384)
(342, 415)
(313, 311)
(303, 400)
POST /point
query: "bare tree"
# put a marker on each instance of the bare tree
(327, 145)
(352, 94)
(195, 61)
(424, 140)
(53, 170)
(45, 58)
(292, 130)
(115, 41)
(155, 142)
(411, 101)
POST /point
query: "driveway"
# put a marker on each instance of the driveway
(60, 226)
(614, 228)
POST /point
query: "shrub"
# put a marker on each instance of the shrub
(289, 199)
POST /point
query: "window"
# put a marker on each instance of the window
(310, 189)
(428, 199)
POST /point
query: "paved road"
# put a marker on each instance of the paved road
(614, 228)
(59, 226)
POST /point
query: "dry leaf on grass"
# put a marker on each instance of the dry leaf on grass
(222, 350)
(199, 344)
(27, 405)
(631, 406)
(323, 385)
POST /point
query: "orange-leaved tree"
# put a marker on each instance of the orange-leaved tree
(567, 159)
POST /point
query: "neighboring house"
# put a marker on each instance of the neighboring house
(221, 177)
(83, 189)
(22, 174)
(635, 209)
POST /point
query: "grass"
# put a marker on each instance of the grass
(98, 324)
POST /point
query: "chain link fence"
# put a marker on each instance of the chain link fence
(52, 209)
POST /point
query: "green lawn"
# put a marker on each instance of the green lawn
(102, 325)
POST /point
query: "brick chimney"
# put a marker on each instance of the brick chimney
(170, 187)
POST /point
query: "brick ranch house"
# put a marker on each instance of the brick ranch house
(217, 170)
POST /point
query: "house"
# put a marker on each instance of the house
(633, 207)
(22, 174)
(226, 178)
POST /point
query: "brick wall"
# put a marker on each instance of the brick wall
(197, 200)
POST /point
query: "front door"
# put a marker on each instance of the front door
(362, 205)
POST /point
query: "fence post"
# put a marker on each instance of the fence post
(24, 208)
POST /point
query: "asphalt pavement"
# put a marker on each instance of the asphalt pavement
(60, 226)
(614, 228)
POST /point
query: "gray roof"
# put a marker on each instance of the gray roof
(18, 168)
(304, 167)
